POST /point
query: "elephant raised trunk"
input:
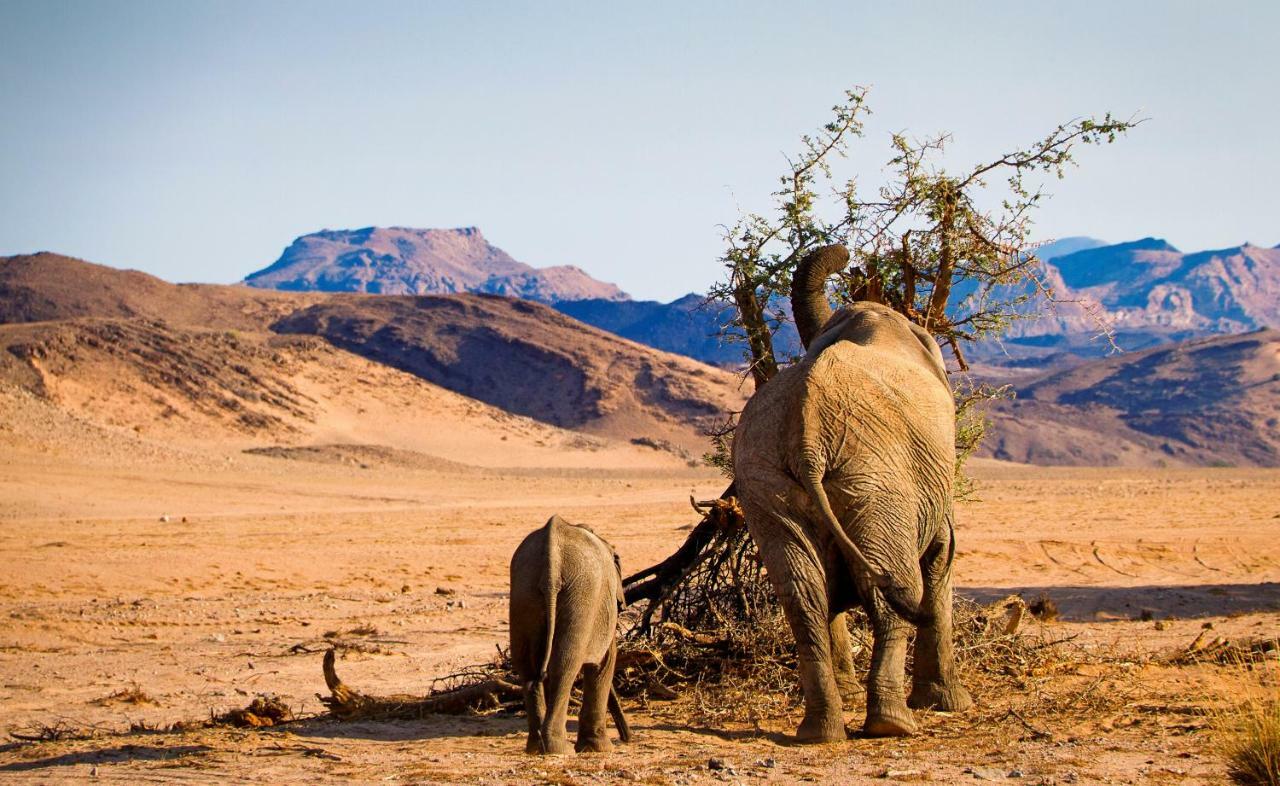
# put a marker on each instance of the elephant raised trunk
(809, 289)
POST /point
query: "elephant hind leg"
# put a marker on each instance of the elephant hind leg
(535, 707)
(523, 662)
(559, 683)
(799, 580)
(572, 630)
(887, 711)
(842, 658)
(934, 684)
(597, 679)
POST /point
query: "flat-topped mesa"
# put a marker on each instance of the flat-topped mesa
(407, 261)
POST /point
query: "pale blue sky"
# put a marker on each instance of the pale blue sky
(194, 140)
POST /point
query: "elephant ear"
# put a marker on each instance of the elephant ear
(617, 587)
(933, 355)
(809, 289)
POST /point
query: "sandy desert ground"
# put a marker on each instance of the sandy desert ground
(257, 558)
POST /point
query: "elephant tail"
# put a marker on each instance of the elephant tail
(865, 573)
(619, 718)
(550, 589)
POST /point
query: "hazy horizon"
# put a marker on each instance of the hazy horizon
(195, 141)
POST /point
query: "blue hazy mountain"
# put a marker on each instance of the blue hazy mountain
(1147, 291)
(1067, 245)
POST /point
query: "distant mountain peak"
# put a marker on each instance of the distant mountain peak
(1145, 244)
(1154, 244)
(1101, 249)
(1066, 245)
(411, 261)
(1247, 247)
(1148, 292)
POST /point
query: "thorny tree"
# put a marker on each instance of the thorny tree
(950, 251)
(922, 244)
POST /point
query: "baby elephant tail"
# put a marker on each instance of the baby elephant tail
(536, 688)
(619, 718)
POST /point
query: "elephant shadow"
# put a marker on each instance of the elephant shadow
(427, 728)
(727, 735)
(115, 754)
(1115, 604)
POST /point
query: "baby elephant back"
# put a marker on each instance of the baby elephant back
(565, 591)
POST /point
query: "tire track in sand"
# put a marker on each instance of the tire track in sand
(1097, 555)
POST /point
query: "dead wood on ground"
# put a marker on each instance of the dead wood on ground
(487, 690)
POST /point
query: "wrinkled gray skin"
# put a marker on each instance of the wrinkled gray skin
(566, 590)
(844, 467)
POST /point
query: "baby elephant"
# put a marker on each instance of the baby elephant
(566, 590)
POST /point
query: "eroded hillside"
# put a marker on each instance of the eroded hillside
(470, 379)
(1212, 401)
(526, 358)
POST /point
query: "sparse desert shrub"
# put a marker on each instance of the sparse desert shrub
(720, 455)
(55, 732)
(663, 445)
(133, 694)
(1043, 608)
(263, 711)
(1248, 737)
(972, 400)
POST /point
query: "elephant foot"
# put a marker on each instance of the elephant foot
(939, 696)
(821, 728)
(889, 722)
(556, 746)
(534, 743)
(595, 744)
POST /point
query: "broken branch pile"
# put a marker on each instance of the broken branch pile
(485, 687)
(1226, 652)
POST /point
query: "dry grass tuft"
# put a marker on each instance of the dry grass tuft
(1225, 652)
(262, 712)
(718, 636)
(1043, 608)
(363, 629)
(55, 732)
(740, 671)
(1248, 738)
(134, 694)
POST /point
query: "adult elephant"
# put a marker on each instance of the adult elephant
(844, 465)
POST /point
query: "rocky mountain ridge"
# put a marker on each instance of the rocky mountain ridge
(1210, 401)
(1150, 286)
(405, 261)
(1147, 291)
